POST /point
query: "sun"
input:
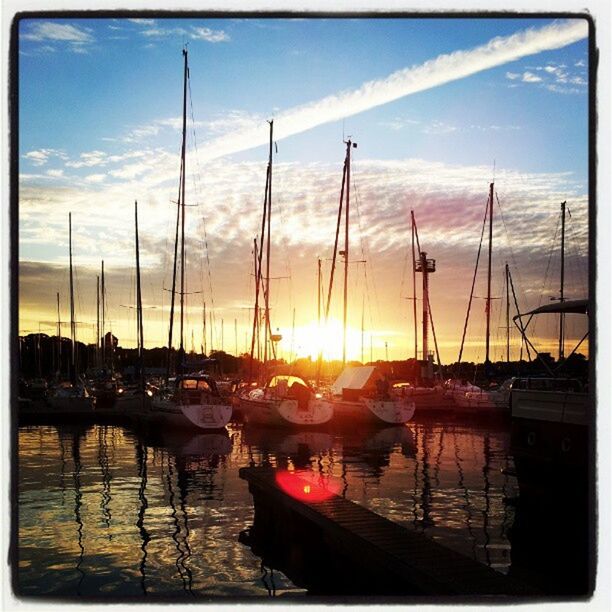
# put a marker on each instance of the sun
(311, 339)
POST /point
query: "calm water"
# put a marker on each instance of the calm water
(105, 510)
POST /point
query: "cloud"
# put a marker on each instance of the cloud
(147, 22)
(554, 77)
(55, 173)
(529, 77)
(433, 73)
(41, 156)
(49, 30)
(95, 178)
(88, 160)
(209, 35)
(194, 32)
(448, 201)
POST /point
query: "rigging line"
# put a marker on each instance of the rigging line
(550, 253)
(467, 316)
(279, 204)
(545, 285)
(366, 254)
(520, 283)
(197, 187)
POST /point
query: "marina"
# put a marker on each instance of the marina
(165, 510)
(198, 416)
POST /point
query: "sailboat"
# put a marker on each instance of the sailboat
(359, 393)
(187, 400)
(131, 398)
(284, 400)
(71, 397)
(464, 394)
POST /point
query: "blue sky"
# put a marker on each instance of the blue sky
(100, 102)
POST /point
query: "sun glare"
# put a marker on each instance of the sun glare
(309, 340)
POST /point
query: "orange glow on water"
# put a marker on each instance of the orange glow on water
(300, 487)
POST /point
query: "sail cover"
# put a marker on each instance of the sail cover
(355, 377)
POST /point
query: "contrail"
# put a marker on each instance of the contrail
(443, 69)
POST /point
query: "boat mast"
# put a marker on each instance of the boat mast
(59, 339)
(182, 206)
(414, 298)
(507, 314)
(72, 321)
(488, 306)
(139, 330)
(562, 287)
(320, 338)
(424, 269)
(255, 333)
(103, 339)
(267, 331)
(98, 321)
(346, 247)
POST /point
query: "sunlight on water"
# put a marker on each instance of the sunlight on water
(104, 510)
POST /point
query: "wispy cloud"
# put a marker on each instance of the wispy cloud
(193, 32)
(140, 21)
(40, 157)
(558, 78)
(443, 69)
(49, 30)
(448, 201)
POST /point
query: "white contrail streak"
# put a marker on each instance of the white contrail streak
(438, 71)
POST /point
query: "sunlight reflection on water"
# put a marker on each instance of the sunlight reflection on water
(107, 510)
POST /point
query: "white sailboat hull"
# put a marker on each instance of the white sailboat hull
(284, 412)
(166, 412)
(372, 410)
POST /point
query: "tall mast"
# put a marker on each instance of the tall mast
(103, 339)
(414, 298)
(562, 287)
(182, 347)
(346, 248)
(59, 338)
(319, 331)
(139, 330)
(488, 306)
(507, 314)
(255, 309)
(424, 270)
(98, 320)
(267, 279)
(72, 321)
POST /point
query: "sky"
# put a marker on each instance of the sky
(439, 108)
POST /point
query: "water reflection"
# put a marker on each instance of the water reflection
(160, 512)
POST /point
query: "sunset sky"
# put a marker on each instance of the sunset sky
(439, 109)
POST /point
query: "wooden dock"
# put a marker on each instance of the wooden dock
(336, 547)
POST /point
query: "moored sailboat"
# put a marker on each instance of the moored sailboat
(359, 394)
(284, 400)
(188, 400)
(71, 397)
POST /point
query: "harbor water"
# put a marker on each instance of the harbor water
(105, 510)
